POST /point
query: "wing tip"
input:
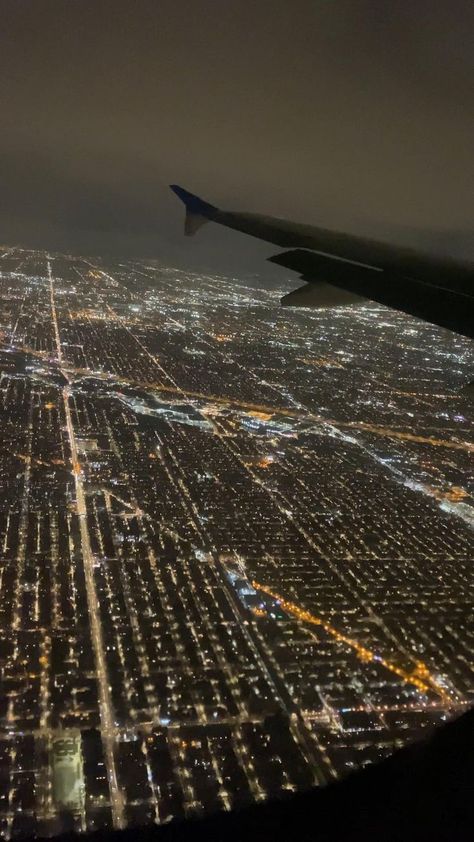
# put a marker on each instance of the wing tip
(197, 210)
(192, 202)
(181, 193)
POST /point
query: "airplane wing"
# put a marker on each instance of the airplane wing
(340, 269)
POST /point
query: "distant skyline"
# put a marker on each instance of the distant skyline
(352, 114)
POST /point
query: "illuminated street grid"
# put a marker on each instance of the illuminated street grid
(236, 541)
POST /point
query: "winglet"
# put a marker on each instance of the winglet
(197, 211)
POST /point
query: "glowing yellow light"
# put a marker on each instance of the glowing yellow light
(414, 678)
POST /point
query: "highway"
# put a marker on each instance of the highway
(299, 414)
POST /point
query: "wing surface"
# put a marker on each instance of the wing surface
(342, 269)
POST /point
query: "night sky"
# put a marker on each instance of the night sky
(357, 114)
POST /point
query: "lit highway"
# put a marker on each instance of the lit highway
(106, 710)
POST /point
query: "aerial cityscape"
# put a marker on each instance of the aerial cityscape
(236, 540)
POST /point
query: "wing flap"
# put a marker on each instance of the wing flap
(443, 307)
(320, 296)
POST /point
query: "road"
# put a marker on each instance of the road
(105, 701)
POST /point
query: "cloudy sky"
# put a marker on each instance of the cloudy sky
(357, 114)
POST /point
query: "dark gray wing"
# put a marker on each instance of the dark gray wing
(342, 269)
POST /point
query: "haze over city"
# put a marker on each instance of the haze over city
(350, 115)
